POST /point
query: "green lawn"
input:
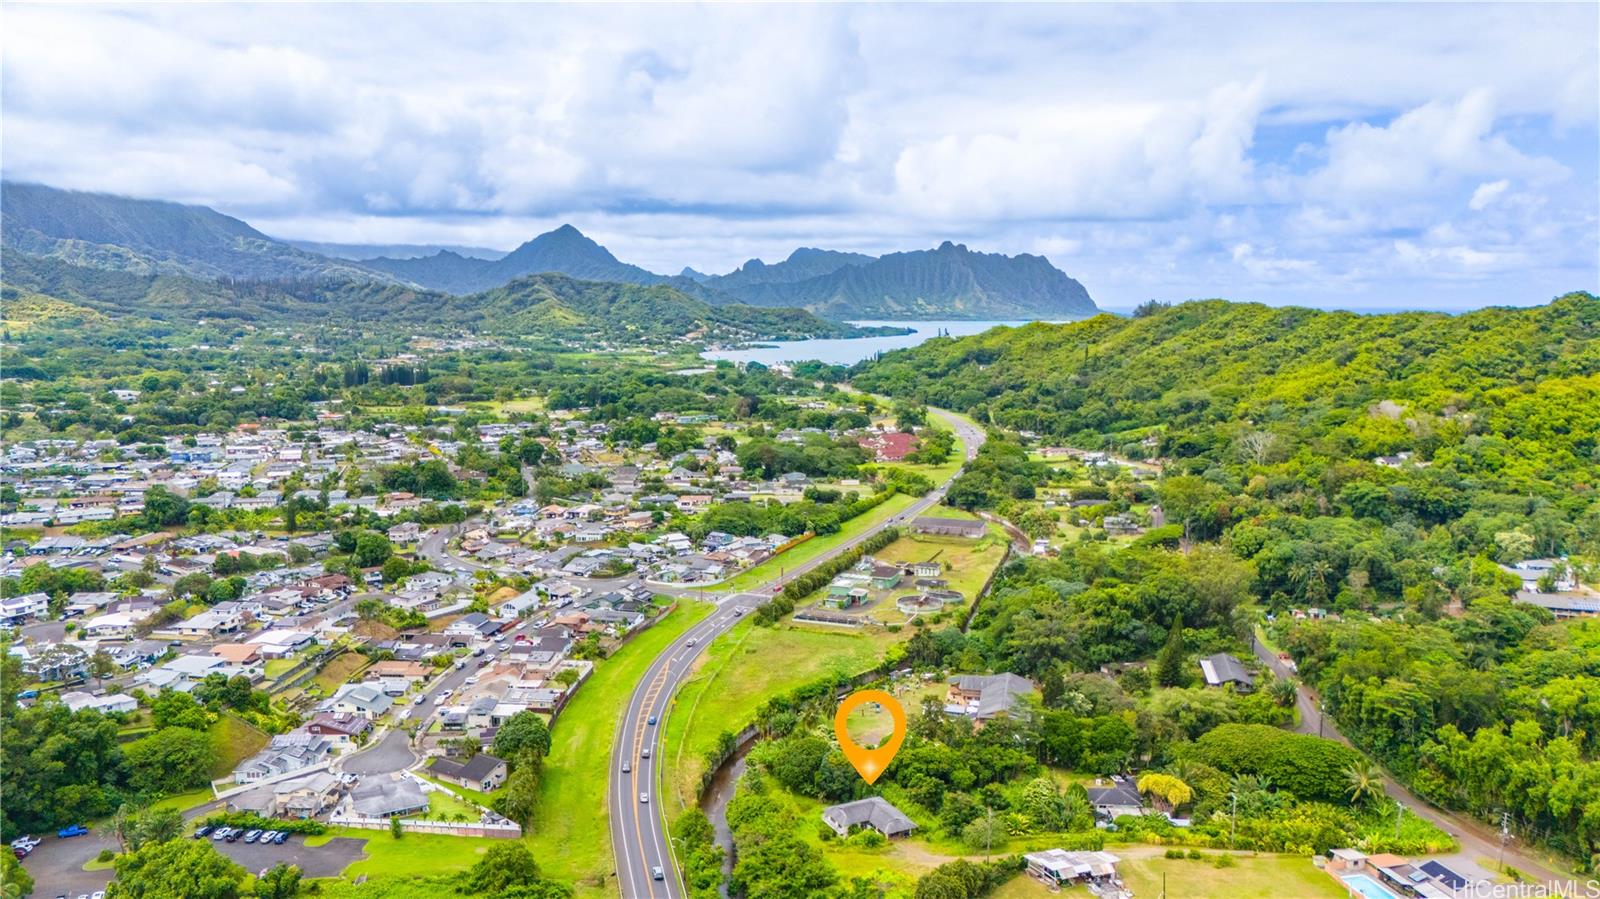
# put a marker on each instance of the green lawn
(274, 668)
(235, 740)
(442, 805)
(185, 801)
(569, 833)
(743, 669)
(338, 670)
(1253, 877)
(413, 855)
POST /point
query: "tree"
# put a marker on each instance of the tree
(1167, 788)
(282, 881)
(1169, 665)
(371, 549)
(506, 866)
(153, 825)
(521, 795)
(188, 868)
(171, 760)
(396, 829)
(102, 666)
(1366, 783)
(525, 732)
(15, 881)
(171, 708)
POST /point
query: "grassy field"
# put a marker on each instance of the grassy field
(967, 565)
(413, 855)
(338, 670)
(235, 740)
(570, 832)
(740, 671)
(805, 552)
(274, 668)
(442, 805)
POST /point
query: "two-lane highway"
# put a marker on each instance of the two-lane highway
(639, 834)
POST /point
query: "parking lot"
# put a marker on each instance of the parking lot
(57, 865)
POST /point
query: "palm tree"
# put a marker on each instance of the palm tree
(1365, 783)
(1282, 692)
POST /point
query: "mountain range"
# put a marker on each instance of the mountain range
(159, 238)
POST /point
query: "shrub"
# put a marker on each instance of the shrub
(250, 821)
(105, 856)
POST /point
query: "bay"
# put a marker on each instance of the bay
(849, 351)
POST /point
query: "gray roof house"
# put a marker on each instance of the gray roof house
(1121, 797)
(985, 696)
(380, 797)
(874, 812)
(366, 700)
(1222, 669)
(483, 772)
(287, 752)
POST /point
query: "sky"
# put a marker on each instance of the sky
(1360, 156)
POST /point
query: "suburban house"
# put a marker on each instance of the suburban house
(985, 696)
(366, 700)
(1223, 669)
(340, 730)
(382, 797)
(948, 527)
(305, 796)
(472, 626)
(222, 618)
(287, 752)
(874, 812)
(891, 447)
(280, 643)
(482, 772)
(19, 609)
(237, 653)
(1120, 797)
(77, 700)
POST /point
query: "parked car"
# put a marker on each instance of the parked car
(221, 833)
(471, 679)
(201, 831)
(421, 698)
(282, 835)
(73, 830)
(250, 835)
(234, 835)
(19, 852)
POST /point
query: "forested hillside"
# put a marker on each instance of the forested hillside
(1377, 468)
(543, 305)
(1507, 391)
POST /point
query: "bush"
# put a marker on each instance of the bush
(1195, 853)
(867, 839)
(251, 821)
(105, 856)
(1224, 860)
(1174, 853)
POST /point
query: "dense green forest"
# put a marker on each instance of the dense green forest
(1267, 427)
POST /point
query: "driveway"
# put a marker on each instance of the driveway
(392, 753)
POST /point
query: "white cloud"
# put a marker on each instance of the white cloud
(1141, 146)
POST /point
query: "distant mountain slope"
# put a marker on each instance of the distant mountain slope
(151, 237)
(547, 305)
(803, 264)
(563, 251)
(950, 282)
(355, 252)
(1193, 375)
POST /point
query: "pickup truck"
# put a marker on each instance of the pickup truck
(73, 830)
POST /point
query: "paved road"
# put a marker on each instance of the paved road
(639, 835)
(1477, 839)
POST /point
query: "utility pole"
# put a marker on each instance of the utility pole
(988, 834)
(1399, 811)
(1233, 821)
(1505, 837)
(1322, 713)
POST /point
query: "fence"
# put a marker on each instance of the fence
(506, 831)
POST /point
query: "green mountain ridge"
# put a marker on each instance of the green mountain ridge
(546, 305)
(152, 237)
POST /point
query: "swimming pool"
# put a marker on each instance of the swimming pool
(1368, 887)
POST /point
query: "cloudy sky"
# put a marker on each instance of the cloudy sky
(1352, 155)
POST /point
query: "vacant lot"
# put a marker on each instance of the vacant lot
(740, 671)
(235, 740)
(338, 670)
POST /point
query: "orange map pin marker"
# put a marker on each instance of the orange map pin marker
(869, 763)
